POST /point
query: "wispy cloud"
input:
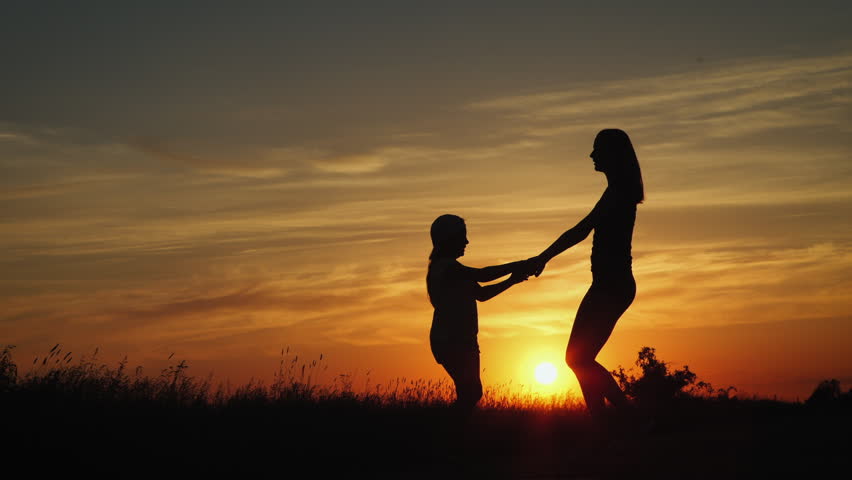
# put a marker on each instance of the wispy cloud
(725, 111)
(719, 90)
(69, 184)
(15, 137)
(364, 163)
(254, 163)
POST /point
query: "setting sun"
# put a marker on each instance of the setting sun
(545, 373)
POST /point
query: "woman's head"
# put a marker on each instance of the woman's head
(613, 155)
(449, 237)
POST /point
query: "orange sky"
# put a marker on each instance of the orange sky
(241, 182)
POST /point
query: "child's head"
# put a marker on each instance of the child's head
(449, 237)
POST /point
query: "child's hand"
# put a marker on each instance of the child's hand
(535, 265)
(519, 276)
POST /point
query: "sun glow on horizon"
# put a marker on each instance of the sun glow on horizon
(545, 373)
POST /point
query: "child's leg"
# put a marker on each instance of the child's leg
(464, 370)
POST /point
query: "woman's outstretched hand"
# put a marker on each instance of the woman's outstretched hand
(536, 265)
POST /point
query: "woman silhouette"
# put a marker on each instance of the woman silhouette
(453, 291)
(613, 286)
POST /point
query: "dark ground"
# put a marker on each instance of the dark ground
(696, 439)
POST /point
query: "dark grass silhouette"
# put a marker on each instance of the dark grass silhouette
(89, 418)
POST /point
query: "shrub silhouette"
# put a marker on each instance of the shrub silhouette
(828, 395)
(657, 385)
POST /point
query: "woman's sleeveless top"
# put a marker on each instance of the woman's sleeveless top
(611, 244)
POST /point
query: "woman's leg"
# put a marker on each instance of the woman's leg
(596, 318)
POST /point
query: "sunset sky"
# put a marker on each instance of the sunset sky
(221, 181)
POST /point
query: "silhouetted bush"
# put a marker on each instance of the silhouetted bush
(657, 385)
(828, 395)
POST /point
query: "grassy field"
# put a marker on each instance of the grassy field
(83, 417)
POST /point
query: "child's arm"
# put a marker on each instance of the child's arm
(488, 292)
(488, 274)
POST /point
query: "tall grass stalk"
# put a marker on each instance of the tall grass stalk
(296, 381)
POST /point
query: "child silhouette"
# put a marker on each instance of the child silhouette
(453, 291)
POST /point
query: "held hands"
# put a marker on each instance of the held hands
(519, 275)
(535, 265)
(531, 266)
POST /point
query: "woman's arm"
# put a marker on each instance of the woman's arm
(569, 238)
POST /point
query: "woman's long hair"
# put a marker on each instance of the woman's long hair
(627, 174)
